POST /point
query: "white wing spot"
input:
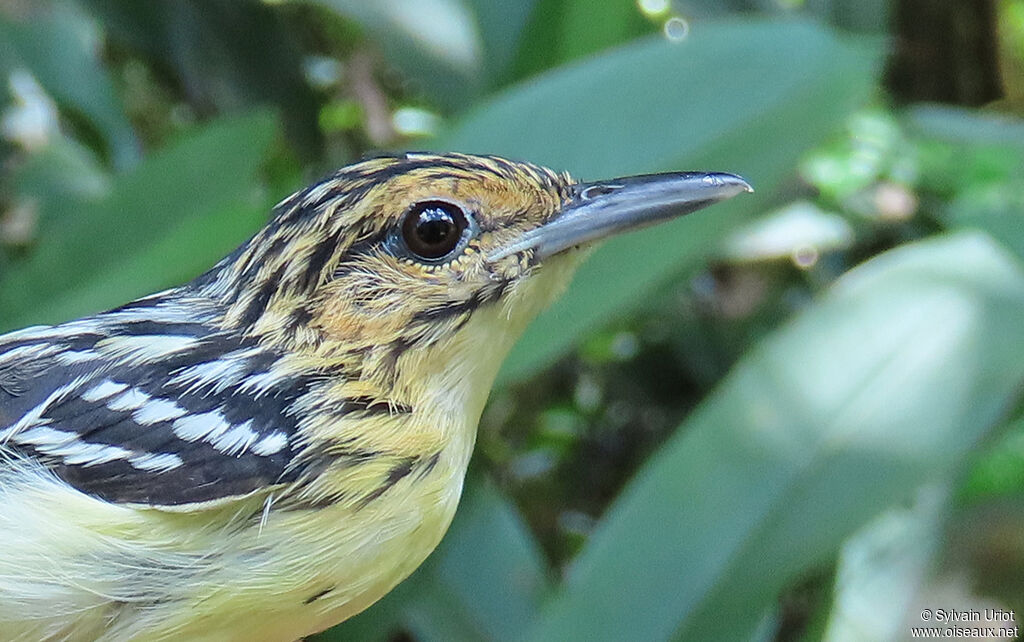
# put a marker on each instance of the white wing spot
(202, 426)
(131, 399)
(158, 463)
(236, 440)
(272, 444)
(85, 454)
(156, 410)
(101, 391)
(45, 436)
(260, 384)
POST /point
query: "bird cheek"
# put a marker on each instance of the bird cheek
(363, 320)
(510, 267)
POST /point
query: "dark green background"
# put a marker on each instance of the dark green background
(792, 416)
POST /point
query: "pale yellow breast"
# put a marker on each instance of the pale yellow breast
(305, 571)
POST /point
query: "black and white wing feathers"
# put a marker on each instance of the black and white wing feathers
(145, 405)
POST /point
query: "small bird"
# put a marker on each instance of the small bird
(267, 450)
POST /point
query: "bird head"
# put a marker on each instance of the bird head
(434, 259)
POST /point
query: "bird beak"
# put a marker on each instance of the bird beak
(601, 209)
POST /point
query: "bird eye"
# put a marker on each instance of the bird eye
(432, 230)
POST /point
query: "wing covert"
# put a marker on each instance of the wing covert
(149, 412)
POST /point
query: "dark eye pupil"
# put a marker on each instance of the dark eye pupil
(434, 227)
(432, 230)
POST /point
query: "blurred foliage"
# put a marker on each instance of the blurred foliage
(796, 416)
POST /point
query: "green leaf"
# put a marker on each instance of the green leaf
(502, 27)
(228, 55)
(59, 178)
(986, 169)
(436, 42)
(187, 250)
(964, 126)
(60, 49)
(999, 470)
(883, 385)
(209, 171)
(587, 27)
(872, 16)
(563, 30)
(997, 209)
(489, 566)
(714, 101)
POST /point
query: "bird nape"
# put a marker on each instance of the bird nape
(267, 450)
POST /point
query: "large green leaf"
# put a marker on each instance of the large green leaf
(502, 26)
(187, 250)
(212, 170)
(563, 30)
(715, 101)
(883, 385)
(60, 49)
(496, 588)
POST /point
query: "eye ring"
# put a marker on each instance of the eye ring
(435, 231)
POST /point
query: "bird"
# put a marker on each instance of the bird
(267, 450)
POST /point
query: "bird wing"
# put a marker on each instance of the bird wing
(162, 412)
